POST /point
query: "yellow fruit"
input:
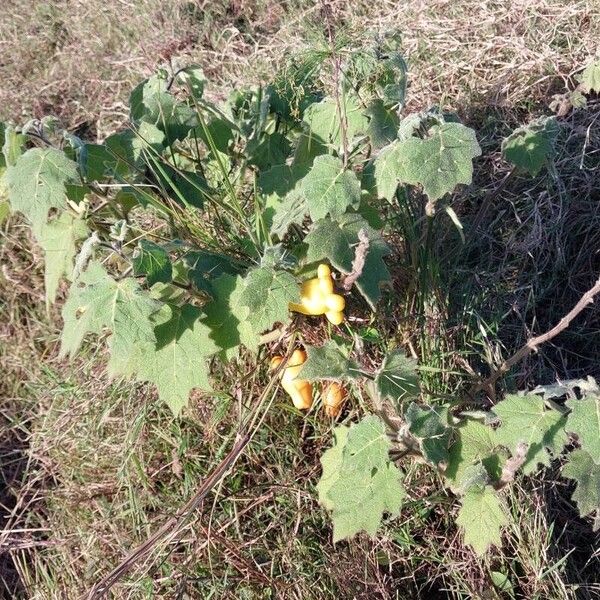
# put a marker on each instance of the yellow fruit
(335, 317)
(335, 302)
(300, 390)
(317, 297)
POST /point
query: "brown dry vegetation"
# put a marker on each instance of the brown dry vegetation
(91, 467)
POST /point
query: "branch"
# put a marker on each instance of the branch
(533, 343)
(358, 264)
(172, 525)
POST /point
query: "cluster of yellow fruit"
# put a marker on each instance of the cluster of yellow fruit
(318, 298)
(300, 390)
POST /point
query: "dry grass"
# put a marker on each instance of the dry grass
(104, 464)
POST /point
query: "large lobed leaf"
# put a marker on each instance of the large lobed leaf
(586, 473)
(37, 182)
(177, 363)
(397, 378)
(584, 421)
(359, 483)
(329, 362)
(526, 419)
(330, 189)
(59, 240)
(96, 301)
(438, 162)
(530, 147)
(481, 517)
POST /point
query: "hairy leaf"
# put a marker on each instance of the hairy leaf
(590, 78)
(481, 517)
(292, 210)
(584, 421)
(59, 238)
(177, 363)
(383, 124)
(525, 419)
(530, 147)
(323, 121)
(153, 261)
(37, 182)
(152, 102)
(397, 378)
(224, 314)
(582, 468)
(359, 482)
(335, 240)
(96, 301)
(438, 162)
(266, 295)
(473, 443)
(430, 427)
(329, 189)
(388, 173)
(329, 362)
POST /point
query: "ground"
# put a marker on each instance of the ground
(92, 467)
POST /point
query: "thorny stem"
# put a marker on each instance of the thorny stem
(337, 69)
(533, 343)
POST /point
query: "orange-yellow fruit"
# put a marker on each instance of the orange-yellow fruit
(317, 297)
(300, 390)
(333, 399)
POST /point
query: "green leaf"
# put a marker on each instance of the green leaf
(59, 240)
(359, 482)
(223, 314)
(336, 240)
(590, 78)
(329, 189)
(153, 261)
(150, 101)
(388, 173)
(582, 468)
(204, 267)
(329, 362)
(430, 427)
(438, 162)
(13, 146)
(37, 182)
(292, 210)
(193, 78)
(331, 461)
(530, 147)
(323, 122)
(97, 301)
(266, 295)
(177, 363)
(272, 150)
(397, 378)
(4, 208)
(481, 517)
(584, 421)
(473, 443)
(383, 124)
(127, 148)
(525, 419)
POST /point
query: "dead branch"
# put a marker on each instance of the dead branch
(358, 264)
(533, 343)
(172, 525)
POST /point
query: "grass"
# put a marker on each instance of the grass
(92, 467)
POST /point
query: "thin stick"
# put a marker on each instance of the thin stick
(174, 524)
(533, 343)
(100, 589)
